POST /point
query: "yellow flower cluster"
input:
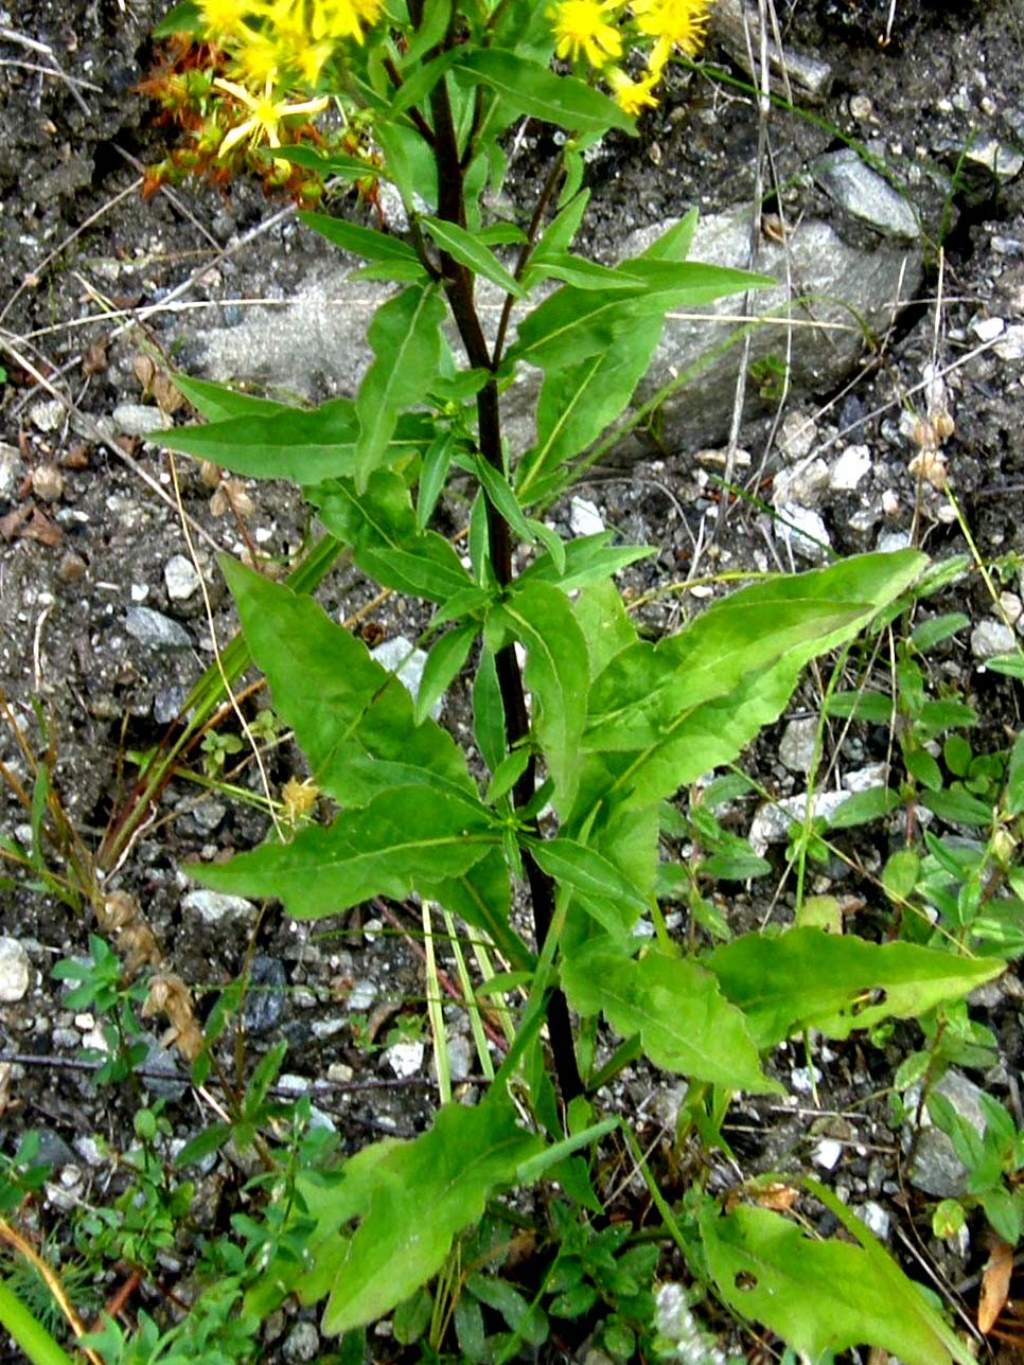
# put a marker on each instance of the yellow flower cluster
(598, 30)
(277, 47)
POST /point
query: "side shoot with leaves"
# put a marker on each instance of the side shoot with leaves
(586, 740)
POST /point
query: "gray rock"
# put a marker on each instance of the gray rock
(15, 971)
(139, 419)
(215, 906)
(802, 531)
(863, 193)
(48, 414)
(405, 1059)
(1012, 345)
(155, 630)
(181, 578)
(319, 340)
(53, 1150)
(1005, 162)
(401, 657)
(804, 484)
(989, 638)
(876, 1218)
(12, 470)
(302, 1343)
(934, 1166)
(796, 747)
(163, 1076)
(460, 1058)
(168, 702)
(267, 994)
(852, 465)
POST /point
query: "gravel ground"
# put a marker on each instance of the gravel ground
(102, 617)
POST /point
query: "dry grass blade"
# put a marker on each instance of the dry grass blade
(995, 1286)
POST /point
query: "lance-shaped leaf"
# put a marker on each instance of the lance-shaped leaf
(586, 871)
(363, 241)
(663, 716)
(685, 1023)
(264, 440)
(352, 718)
(534, 90)
(380, 525)
(217, 401)
(406, 839)
(822, 1297)
(469, 251)
(541, 617)
(417, 1197)
(572, 324)
(405, 337)
(588, 560)
(806, 978)
(578, 402)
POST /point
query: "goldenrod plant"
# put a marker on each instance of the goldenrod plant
(585, 735)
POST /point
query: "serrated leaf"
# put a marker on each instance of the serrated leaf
(605, 623)
(380, 525)
(685, 1023)
(405, 337)
(557, 675)
(808, 979)
(536, 91)
(822, 1297)
(463, 247)
(353, 718)
(405, 839)
(664, 715)
(449, 1173)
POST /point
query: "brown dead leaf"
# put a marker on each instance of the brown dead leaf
(11, 524)
(42, 529)
(995, 1286)
(169, 397)
(777, 1197)
(169, 996)
(95, 359)
(145, 372)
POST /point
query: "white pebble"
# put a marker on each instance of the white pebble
(15, 971)
(584, 518)
(826, 1153)
(181, 578)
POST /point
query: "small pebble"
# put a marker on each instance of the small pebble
(47, 482)
(214, 906)
(181, 578)
(804, 533)
(47, 415)
(139, 419)
(405, 1059)
(584, 518)
(827, 1153)
(154, 629)
(11, 470)
(796, 748)
(989, 638)
(15, 971)
(71, 568)
(850, 468)
(987, 329)
(302, 1343)
(401, 657)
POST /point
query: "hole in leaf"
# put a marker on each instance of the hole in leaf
(745, 1280)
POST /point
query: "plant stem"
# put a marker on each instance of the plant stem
(458, 285)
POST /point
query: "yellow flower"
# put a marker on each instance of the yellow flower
(343, 18)
(258, 58)
(265, 115)
(224, 19)
(673, 23)
(632, 97)
(582, 26)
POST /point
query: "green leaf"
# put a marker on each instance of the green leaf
(405, 336)
(664, 715)
(586, 871)
(674, 244)
(422, 78)
(572, 324)
(931, 633)
(947, 715)
(958, 807)
(353, 718)
(217, 401)
(463, 247)
(443, 664)
(448, 1174)
(405, 839)
(380, 525)
(1010, 664)
(605, 623)
(808, 979)
(488, 712)
(325, 166)
(580, 272)
(899, 876)
(183, 18)
(578, 402)
(275, 442)
(863, 808)
(1014, 798)
(433, 475)
(822, 1297)
(500, 495)
(507, 774)
(536, 91)
(588, 560)
(559, 233)
(873, 707)
(362, 241)
(685, 1023)
(557, 675)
